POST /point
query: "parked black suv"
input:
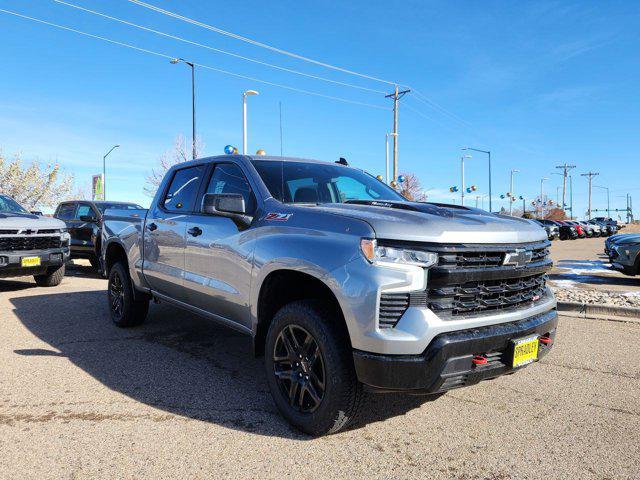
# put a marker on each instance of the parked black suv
(84, 222)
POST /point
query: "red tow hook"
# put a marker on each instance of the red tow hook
(546, 340)
(479, 360)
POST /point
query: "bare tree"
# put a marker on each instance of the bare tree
(411, 189)
(33, 185)
(180, 152)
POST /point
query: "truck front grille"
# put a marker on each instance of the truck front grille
(472, 280)
(18, 243)
(482, 296)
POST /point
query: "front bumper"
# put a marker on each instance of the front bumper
(447, 361)
(11, 262)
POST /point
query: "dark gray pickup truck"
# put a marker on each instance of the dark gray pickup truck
(345, 287)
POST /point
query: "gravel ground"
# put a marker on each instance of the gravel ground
(180, 397)
(597, 297)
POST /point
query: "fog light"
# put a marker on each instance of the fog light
(55, 257)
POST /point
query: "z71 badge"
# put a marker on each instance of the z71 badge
(278, 217)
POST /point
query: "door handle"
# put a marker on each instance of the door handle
(152, 226)
(194, 232)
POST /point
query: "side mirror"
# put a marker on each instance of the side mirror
(230, 205)
(88, 219)
(216, 203)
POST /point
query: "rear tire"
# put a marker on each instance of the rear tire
(125, 310)
(318, 393)
(52, 278)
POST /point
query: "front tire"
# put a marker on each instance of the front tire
(310, 369)
(52, 278)
(125, 310)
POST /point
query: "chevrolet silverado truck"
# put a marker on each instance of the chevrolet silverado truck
(344, 286)
(31, 245)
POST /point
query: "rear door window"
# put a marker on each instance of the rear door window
(182, 192)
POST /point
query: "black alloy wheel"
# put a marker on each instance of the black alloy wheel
(116, 294)
(299, 368)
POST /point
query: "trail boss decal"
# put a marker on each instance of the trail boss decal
(278, 217)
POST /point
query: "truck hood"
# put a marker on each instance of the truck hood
(427, 222)
(21, 221)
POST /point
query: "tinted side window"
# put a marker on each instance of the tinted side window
(84, 210)
(66, 211)
(228, 178)
(181, 195)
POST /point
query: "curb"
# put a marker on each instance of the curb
(600, 312)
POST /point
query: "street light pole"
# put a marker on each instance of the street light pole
(392, 134)
(193, 102)
(511, 198)
(542, 196)
(104, 172)
(608, 199)
(462, 179)
(244, 118)
(488, 152)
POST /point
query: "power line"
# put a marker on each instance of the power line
(256, 43)
(217, 50)
(422, 98)
(208, 67)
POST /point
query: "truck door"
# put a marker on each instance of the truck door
(219, 252)
(85, 231)
(165, 228)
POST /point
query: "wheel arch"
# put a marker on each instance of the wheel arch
(282, 286)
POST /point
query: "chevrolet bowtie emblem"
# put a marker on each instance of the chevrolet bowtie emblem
(519, 258)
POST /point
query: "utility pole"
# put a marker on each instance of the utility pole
(396, 95)
(590, 175)
(565, 172)
(571, 195)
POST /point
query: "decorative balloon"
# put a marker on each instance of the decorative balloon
(230, 150)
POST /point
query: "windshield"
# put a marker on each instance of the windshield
(123, 206)
(9, 205)
(306, 182)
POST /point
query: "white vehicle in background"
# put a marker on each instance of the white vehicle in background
(31, 245)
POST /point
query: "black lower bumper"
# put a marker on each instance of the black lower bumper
(448, 360)
(11, 262)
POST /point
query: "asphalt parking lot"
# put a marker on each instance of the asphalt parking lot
(180, 397)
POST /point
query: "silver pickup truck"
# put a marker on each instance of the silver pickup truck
(31, 245)
(344, 286)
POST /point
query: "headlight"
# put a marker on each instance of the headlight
(382, 254)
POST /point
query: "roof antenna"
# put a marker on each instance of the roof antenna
(343, 161)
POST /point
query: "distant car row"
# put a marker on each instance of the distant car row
(623, 252)
(570, 230)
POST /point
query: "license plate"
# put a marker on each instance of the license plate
(525, 351)
(30, 261)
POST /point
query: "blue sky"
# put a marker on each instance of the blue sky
(537, 83)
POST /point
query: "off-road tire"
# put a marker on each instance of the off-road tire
(131, 311)
(343, 395)
(51, 278)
